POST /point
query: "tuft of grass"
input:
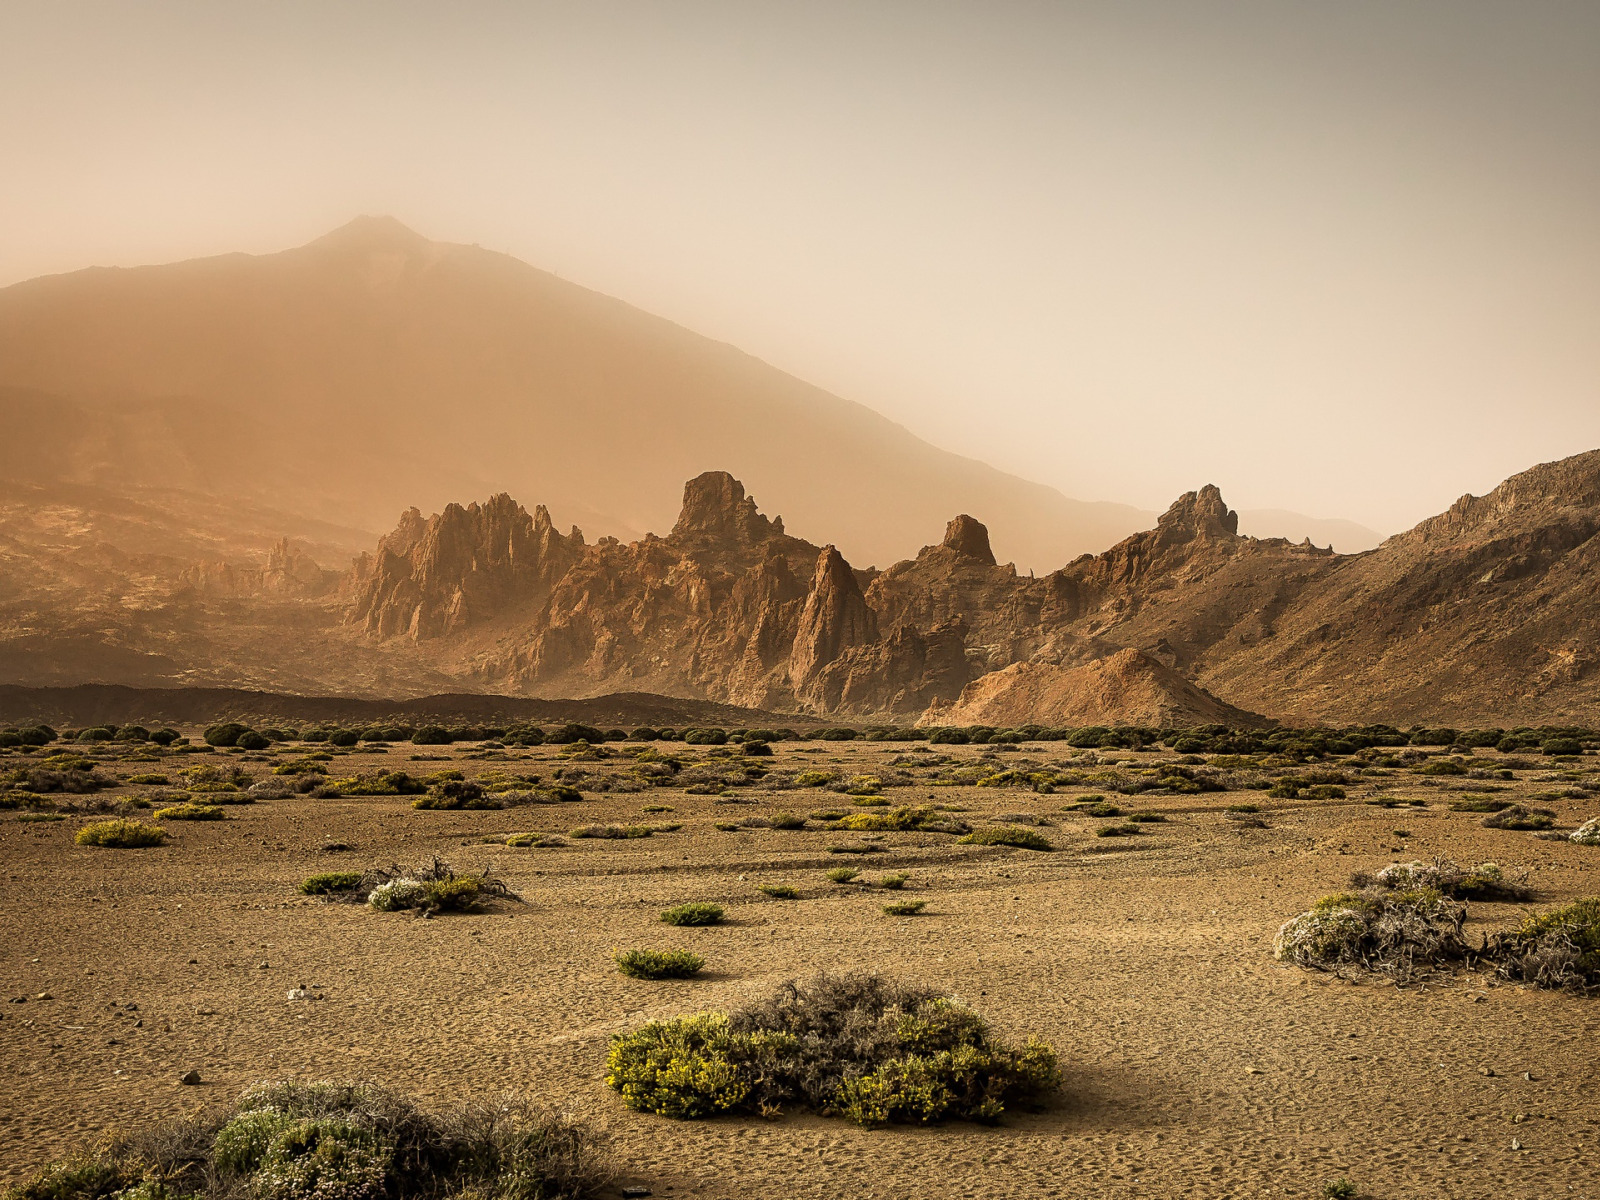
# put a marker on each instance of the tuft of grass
(786, 821)
(1478, 804)
(1002, 835)
(658, 964)
(331, 881)
(121, 834)
(696, 913)
(727, 826)
(893, 882)
(904, 908)
(1118, 831)
(655, 808)
(870, 801)
(1148, 818)
(1339, 1189)
(778, 891)
(29, 817)
(190, 811)
(843, 874)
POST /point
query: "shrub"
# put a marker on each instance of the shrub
(778, 891)
(1587, 834)
(452, 794)
(920, 819)
(843, 874)
(331, 881)
(1147, 818)
(893, 882)
(342, 737)
(121, 834)
(428, 890)
(1000, 835)
(612, 831)
(251, 740)
(225, 734)
(856, 848)
(856, 1046)
(1339, 1189)
(693, 914)
(190, 811)
(1478, 804)
(1562, 746)
(786, 821)
(904, 908)
(659, 964)
(1106, 831)
(1399, 933)
(1486, 881)
(1519, 817)
(705, 737)
(1556, 949)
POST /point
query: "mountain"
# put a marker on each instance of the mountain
(373, 370)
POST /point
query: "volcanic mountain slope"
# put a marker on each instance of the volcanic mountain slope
(373, 369)
(1487, 613)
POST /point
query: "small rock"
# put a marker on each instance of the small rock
(44, 996)
(1254, 1071)
(190, 1077)
(636, 1190)
(264, 966)
(1516, 1145)
(1528, 1075)
(1485, 1070)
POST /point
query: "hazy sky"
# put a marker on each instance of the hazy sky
(1341, 257)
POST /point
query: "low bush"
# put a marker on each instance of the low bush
(779, 891)
(1147, 818)
(1402, 933)
(121, 834)
(855, 1046)
(190, 811)
(904, 908)
(920, 819)
(1479, 804)
(695, 913)
(855, 848)
(1023, 839)
(1555, 949)
(659, 964)
(617, 832)
(427, 890)
(1486, 881)
(893, 882)
(1587, 834)
(1519, 817)
(331, 882)
(1107, 831)
(843, 874)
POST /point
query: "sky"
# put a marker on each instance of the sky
(1339, 258)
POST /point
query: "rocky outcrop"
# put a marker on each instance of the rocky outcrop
(436, 576)
(836, 619)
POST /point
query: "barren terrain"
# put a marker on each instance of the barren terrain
(1196, 1065)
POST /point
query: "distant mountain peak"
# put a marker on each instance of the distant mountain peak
(372, 232)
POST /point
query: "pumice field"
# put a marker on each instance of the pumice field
(567, 961)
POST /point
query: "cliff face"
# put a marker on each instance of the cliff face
(439, 576)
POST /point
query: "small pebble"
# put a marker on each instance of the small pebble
(190, 1077)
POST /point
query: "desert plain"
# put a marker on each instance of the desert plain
(1195, 1064)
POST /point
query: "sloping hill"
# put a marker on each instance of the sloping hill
(373, 370)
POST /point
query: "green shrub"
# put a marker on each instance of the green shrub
(1562, 746)
(150, 780)
(122, 834)
(225, 734)
(905, 908)
(921, 818)
(1147, 818)
(1107, 831)
(843, 874)
(696, 913)
(705, 737)
(1478, 804)
(1339, 1189)
(859, 1047)
(786, 820)
(778, 891)
(893, 882)
(1555, 949)
(659, 964)
(616, 832)
(1002, 835)
(330, 881)
(190, 811)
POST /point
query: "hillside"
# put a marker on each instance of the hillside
(373, 370)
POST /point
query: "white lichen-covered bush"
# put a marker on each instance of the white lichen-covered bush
(1317, 938)
(1404, 877)
(1587, 834)
(397, 895)
(269, 789)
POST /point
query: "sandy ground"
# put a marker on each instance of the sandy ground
(1196, 1065)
